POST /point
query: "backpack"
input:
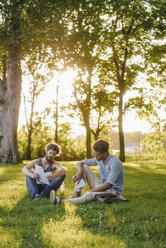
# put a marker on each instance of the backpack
(110, 198)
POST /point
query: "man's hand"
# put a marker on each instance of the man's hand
(35, 176)
(78, 176)
(49, 177)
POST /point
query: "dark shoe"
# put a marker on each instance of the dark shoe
(53, 198)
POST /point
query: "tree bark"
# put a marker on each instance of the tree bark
(88, 133)
(87, 115)
(121, 134)
(10, 97)
(85, 111)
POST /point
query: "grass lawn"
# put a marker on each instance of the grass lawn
(139, 223)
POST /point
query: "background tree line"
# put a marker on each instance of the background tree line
(74, 148)
(113, 42)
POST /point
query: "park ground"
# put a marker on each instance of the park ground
(138, 223)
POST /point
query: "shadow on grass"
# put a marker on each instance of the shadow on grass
(139, 222)
(9, 173)
(26, 220)
(145, 179)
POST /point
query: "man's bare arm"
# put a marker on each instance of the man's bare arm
(61, 171)
(79, 174)
(27, 169)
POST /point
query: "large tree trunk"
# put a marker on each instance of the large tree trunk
(87, 115)
(88, 142)
(121, 134)
(10, 96)
(85, 111)
(88, 134)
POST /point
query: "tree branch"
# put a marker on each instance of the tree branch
(26, 118)
(132, 23)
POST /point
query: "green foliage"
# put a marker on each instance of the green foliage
(154, 145)
(40, 137)
(72, 148)
(141, 222)
(110, 40)
(22, 138)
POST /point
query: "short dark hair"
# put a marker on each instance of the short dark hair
(53, 146)
(101, 146)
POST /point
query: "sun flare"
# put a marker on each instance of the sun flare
(64, 83)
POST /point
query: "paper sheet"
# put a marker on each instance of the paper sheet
(43, 179)
(81, 183)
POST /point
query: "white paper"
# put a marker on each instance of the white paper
(81, 183)
(43, 179)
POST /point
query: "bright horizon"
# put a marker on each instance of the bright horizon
(131, 122)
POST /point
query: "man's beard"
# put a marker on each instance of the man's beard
(47, 158)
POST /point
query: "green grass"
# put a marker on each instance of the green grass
(139, 223)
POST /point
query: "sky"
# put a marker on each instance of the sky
(131, 122)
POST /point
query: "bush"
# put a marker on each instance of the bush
(154, 144)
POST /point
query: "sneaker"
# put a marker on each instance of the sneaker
(53, 198)
(41, 196)
(36, 197)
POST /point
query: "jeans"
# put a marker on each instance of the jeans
(34, 188)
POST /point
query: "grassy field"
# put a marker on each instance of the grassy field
(139, 223)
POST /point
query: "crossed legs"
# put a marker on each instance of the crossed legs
(92, 181)
(33, 188)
